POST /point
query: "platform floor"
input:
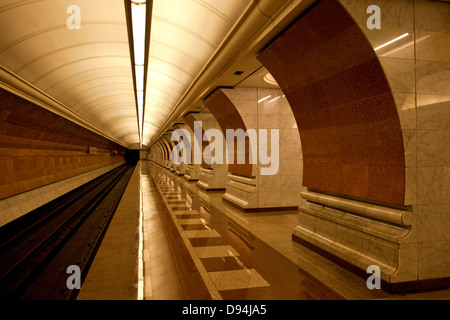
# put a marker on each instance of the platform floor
(163, 244)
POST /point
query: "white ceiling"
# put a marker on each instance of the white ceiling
(88, 70)
(184, 36)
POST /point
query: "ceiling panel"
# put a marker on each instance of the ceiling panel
(87, 69)
(184, 36)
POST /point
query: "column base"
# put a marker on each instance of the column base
(391, 287)
(357, 234)
(212, 179)
(192, 173)
(242, 193)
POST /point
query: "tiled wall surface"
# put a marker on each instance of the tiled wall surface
(418, 70)
(281, 189)
(213, 175)
(341, 100)
(39, 148)
(229, 117)
(372, 107)
(16, 206)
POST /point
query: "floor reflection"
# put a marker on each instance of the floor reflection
(237, 263)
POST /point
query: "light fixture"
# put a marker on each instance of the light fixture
(274, 99)
(140, 98)
(140, 119)
(139, 27)
(392, 41)
(263, 99)
(405, 45)
(138, 10)
(268, 78)
(139, 77)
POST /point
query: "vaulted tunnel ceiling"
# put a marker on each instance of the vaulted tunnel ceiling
(89, 70)
(86, 69)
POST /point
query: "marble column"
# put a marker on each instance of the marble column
(167, 152)
(263, 109)
(193, 170)
(417, 67)
(372, 110)
(212, 177)
(169, 145)
(161, 159)
(182, 169)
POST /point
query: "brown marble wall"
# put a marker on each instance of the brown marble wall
(228, 117)
(345, 112)
(418, 69)
(38, 147)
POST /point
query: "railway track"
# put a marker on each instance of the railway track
(36, 249)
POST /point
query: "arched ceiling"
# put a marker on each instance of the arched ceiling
(86, 69)
(182, 41)
(86, 74)
(89, 69)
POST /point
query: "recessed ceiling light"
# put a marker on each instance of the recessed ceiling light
(268, 78)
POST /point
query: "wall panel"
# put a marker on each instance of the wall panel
(343, 104)
(38, 147)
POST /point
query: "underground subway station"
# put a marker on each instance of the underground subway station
(238, 150)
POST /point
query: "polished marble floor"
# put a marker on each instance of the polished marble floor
(195, 246)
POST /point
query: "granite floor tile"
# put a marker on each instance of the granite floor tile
(237, 279)
(216, 251)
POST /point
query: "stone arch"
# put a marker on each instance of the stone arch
(190, 120)
(228, 117)
(165, 140)
(161, 152)
(343, 104)
(184, 146)
(156, 153)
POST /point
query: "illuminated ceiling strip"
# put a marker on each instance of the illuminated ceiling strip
(139, 29)
(189, 44)
(138, 25)
(139, 77)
